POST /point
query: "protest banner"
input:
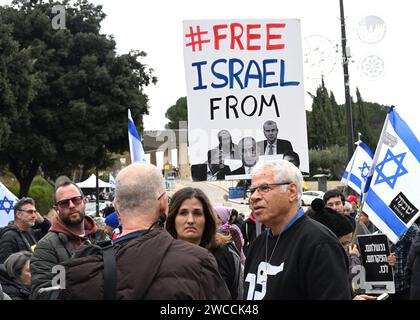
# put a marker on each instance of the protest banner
(378, 274)
(245, 95)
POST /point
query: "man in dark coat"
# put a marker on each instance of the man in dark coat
(150, 263)
(70, 229)
(272, 145)
(25, 231)
(212, 170)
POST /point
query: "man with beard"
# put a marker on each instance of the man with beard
(70, 229)
(25, 231)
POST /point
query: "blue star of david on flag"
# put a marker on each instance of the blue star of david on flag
(364, 170)
(6, 201)
(392, 179)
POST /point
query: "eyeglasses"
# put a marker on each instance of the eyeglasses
(264, 188)
(30, 211)
(64, 204)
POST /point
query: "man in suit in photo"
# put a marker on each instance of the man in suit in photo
(272, 145)
(211, 170)
(228, 150)
(249, 155)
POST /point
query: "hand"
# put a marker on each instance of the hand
(353, 250)
(364, 297)
(39, 219)
(392, 259)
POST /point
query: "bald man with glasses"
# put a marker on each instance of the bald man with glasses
(70, 229)
(295, 258)
(25, 231)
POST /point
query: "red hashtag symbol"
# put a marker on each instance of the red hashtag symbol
(196, 38)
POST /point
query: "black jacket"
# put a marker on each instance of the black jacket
(308, 263)
(230, 268)
(248, 229)
(413, 269)
(13, 240)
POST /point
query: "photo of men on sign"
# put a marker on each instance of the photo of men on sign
(245, 103)
(272, 145)
(249, 156)
(225, 150)
(230, 159)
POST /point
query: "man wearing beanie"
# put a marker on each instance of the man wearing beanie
(70, 229)
(343, 229)
(111, 225)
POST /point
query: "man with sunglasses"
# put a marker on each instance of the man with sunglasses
(149, 263)
(25, 231)
(70, 229)
(295, 258)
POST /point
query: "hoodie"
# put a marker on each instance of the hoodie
(77, 234)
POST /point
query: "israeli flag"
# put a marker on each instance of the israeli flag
(112, 180)
(357, 171)
(392, 201)
(136, 148)
(7, 201)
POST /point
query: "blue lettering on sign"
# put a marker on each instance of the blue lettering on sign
(235, 74)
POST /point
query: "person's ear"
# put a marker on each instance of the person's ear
(292, 192)
(114, 204)
(163, 204)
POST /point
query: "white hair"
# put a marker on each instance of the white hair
(348, 206)
(283, 171)
(138, 186)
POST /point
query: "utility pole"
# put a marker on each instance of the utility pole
(349, 116)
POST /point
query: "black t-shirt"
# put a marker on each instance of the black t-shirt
(307, 263)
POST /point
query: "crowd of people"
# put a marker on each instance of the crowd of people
(151, 246)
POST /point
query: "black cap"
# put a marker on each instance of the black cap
(333, 220)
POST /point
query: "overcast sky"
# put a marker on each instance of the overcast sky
(384, 58)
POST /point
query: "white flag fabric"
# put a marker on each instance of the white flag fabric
(112, 180)
(7, 200)
(136, 148)
(392, 201)
(357, 171)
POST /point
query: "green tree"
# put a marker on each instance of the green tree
(79, 112)
(17, 82)
(176, 113)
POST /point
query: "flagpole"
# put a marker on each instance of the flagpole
(371, 171)
(352, 163)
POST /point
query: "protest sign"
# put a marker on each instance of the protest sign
(374, 250)
(245, 95)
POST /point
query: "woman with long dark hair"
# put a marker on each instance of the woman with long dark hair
(192, 218)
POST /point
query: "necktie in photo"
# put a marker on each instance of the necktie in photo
(270, 149)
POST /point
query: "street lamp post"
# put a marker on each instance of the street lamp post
(349, 116)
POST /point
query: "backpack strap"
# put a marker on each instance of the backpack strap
(110, 270)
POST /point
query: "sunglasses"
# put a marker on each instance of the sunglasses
(64, 204)
(28, 211)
